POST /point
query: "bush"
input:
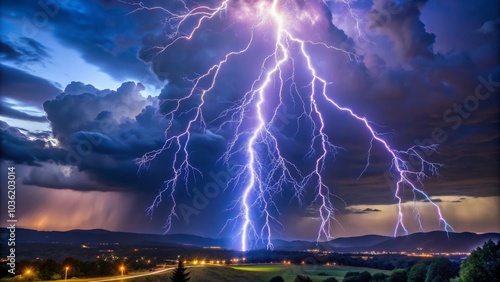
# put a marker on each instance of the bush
(417, 273)
(398, 275)
(352, 279)
(351, 273)
(302, 278)
(365, 276)
(379, 277)
(331, 279)
(277, 279)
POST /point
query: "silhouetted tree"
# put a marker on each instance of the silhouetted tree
(74, 266)
(180, 274)
(483, 264)
(351, 274)
(398, 275)
(106, 268)
(379, 277)
(48, 268)
(89, 268)
(351, 279)
(277, 279)
(417, 273)
(22, 265)
(365, 276)
(302, 278)
(96, 268)
(441, 270)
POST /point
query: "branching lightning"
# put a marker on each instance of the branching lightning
(267, 170)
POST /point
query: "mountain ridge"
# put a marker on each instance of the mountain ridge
(433, 241)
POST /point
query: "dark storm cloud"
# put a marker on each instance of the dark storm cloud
(360, 211)
(492, 26)
(23, 51)
(186, 59)
(408, 97)
(17, 146)
(77, 110)
(54, 176)
(313, 211)
(427, 92)
(77, 88)
(405, 28)
(429, 83)
(435, 200)
(105, 131)
(22, 86)
(103, 33)
(101, 133)
(7, 111)
(468, 26)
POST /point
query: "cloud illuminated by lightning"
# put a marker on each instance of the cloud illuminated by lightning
(267, 170)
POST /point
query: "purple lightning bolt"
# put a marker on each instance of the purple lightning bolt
(267, 170)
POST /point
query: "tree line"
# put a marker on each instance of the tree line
(49, 269)
(483, 265)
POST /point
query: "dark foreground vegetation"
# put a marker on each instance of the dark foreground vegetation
(482, 265)
(49, 269)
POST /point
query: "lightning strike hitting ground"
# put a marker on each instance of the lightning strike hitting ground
(267, 170)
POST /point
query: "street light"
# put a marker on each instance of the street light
(66, 273)
(122, 268)
(27, 273)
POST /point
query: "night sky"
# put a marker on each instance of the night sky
(85, 93)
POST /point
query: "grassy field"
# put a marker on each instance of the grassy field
(315, 272)
(262, 273)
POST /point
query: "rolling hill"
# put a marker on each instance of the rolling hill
(436, 241)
